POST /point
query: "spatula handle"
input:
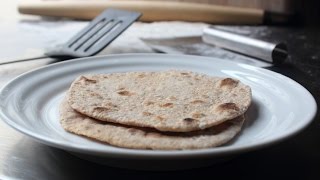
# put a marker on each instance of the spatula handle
(22, 60)
(152, 11)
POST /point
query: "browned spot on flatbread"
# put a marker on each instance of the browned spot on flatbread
(198, 115)
(148, 103)
(228, 82)
(186, 74)
(228, 107)
(241, 90)
(160, 118)
(133, 131)
(101, 109)
(86, 80)
(145, 113)
(197, 101)
(170, 105)
(110, 105)
(106, 107)
(205, 96)
(94, 94)
(173, 98)
(141, 75)
(188, 120)
(125, 93)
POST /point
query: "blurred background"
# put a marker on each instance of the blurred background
(285, 12)
(290, 12)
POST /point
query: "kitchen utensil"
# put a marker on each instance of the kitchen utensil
(100, 32)
(152, 10)
(225, 45)
(270, 52)
(193, 45)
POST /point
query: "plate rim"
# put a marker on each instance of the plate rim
(137, 153)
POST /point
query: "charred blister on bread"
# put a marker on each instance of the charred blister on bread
(106, 107)
(160, 118)
(142, 75)
(146, 113)
(173, 98)
(198, 115)
(85, 80)
(169, 105)
(95, 94)
(101, 109)
(148, 103)
(125, 93)
(197, 101)
(185, 74)
(132, 131)
(189, 120)
(229, 83)
(120, 88)
(227, 107)
(110, 105)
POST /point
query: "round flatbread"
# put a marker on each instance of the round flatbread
(146, 138)
(177, 101)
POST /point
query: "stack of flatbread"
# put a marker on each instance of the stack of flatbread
(165, 110)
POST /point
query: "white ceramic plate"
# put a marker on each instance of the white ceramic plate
(280, 108)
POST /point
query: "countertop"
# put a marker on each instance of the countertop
(296, 158)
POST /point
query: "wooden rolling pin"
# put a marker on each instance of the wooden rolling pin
(152, 11)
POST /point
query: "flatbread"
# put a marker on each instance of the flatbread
(177, 101)
(146, 138)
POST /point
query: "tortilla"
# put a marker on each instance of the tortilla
(146, 138)
(177, 101)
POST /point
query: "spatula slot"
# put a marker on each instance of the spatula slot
(85, 33)
(92, 34)
(105, 35)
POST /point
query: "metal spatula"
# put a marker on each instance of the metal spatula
(100, 32)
